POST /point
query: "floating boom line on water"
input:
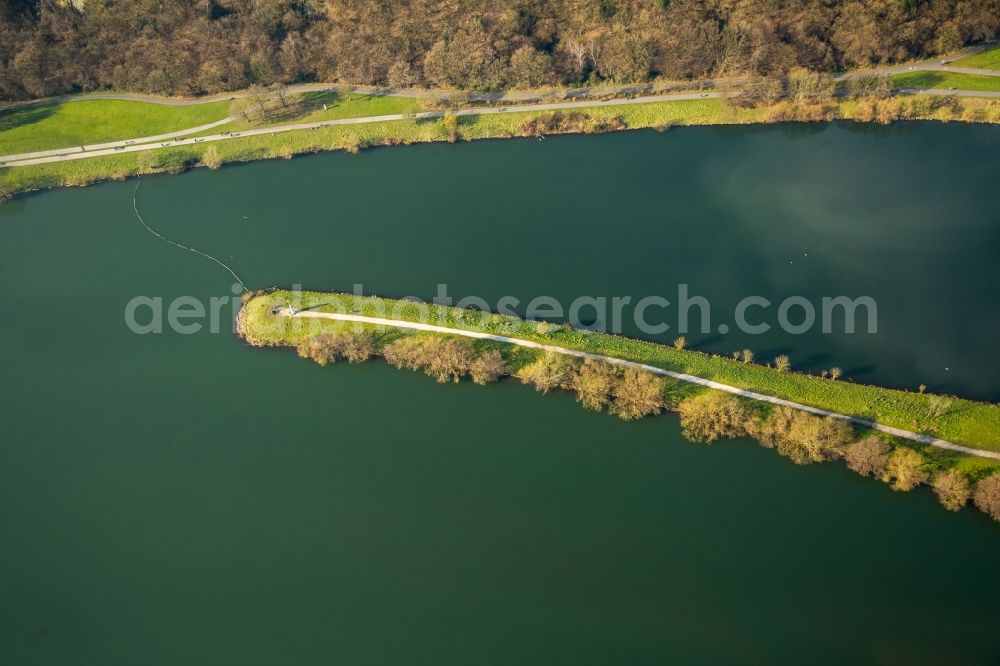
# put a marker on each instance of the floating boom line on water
(135, 208)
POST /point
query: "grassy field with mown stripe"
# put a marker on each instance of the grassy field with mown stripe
(988, 59)
(68, 124)
(946, 81)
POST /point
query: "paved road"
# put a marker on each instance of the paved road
(137, 145)
(510, 95)
(939, 66)
(397, 323)
(113, 144)
(155, 143)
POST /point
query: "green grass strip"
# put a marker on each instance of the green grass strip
(67, 124)
(946, 81)
(989, 59)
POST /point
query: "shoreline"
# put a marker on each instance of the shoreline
(691, 379)
(471, 125)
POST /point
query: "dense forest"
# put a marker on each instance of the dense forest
(192, 47)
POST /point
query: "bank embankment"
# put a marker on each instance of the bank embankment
(604, 116)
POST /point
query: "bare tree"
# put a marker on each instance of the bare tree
(281, 90)
(952, 489)
(551, 371)
(713, 414)
(904, 469)
(594, 384)
(867, 456)
(260, 98)
(487, 367)
(638, 394)
(987, 497)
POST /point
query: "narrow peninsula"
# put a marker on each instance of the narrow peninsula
(906, 438)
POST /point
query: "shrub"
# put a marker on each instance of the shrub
(746, 356)
(814, 439)
(886, 112)
(448, 358)
(952, 489)
(987, 496)
(680, 343)
(550, 123)
(211, 157)
(836, 373)
(867, 456)
(595, 383)
(552, 371)
(775, 427)
(804, 84)
(450, 123)
(782, 363)
(573, 121)
(803, 437)
(938, 406)
(601, 125)
(320, 348)
(546, 327)
(873, 110)
(443, 358)
(876, 85)
(405, 353)
(350, 143)
(756, 91)
(487, 367)
(353, 346)
(803, 111)
(782, 111)
(708, 416)
(904, 469)
(637, 394)
(357, 347)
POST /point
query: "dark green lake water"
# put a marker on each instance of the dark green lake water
(182, 499)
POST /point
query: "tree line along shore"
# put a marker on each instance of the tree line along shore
(194, 47)
(630, 393)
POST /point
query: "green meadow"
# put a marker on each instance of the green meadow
(946, 80)
(67, 124)
(988, 59)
